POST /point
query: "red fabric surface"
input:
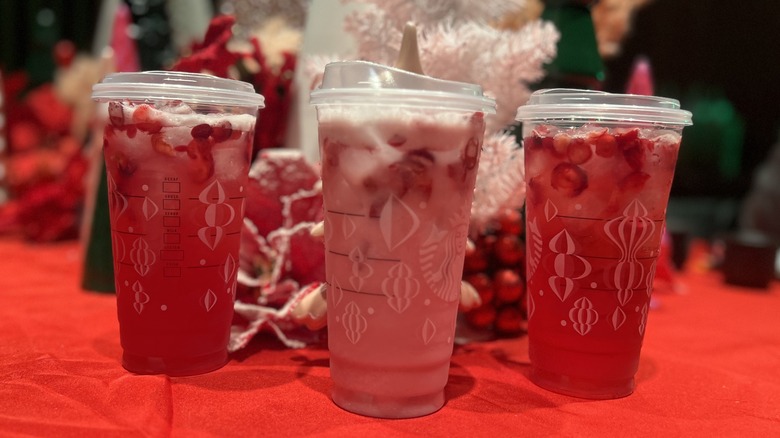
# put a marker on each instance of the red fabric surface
(709, 367)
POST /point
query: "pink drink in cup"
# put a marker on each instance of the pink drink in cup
(599, 168)
(399, 160)
(177, 148)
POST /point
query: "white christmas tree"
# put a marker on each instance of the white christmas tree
(457, 42)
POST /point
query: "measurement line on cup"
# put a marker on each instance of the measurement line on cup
(357, 291)
(345, 213)
(375, 259)
(598, 218)
(616, 258)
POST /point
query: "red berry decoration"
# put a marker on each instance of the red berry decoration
(510, 221)
(509, 320)
(483, 284)
(495, 267)
(482, 317)
(569, 179)
(509, 286)
(510, 249)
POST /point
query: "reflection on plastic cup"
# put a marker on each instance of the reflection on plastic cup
(599, 169)
(177, 148)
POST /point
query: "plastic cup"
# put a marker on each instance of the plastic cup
(598, 169)
(177, 149)
(399, 160)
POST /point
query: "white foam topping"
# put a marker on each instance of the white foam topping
(182, 115)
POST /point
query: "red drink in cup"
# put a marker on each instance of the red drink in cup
(599, 168)
(177, 148)
(399, 161)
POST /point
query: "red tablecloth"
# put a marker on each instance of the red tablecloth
(710, 366)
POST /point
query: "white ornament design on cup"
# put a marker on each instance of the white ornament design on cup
(583, 315)
(428, 331)
(215, 199)
(400, 287)
(140, 298)
(394, 222)
(629, 232)
(149, 208)
(360, 269)
(142, 256)
(568, 265)
(209, 300)
(354, 322)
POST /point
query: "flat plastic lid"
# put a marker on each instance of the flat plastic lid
(587, 105)
(368, 83)
(174, 85)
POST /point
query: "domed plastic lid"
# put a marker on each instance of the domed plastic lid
(586, 105)
(173, 85)
(367, 83)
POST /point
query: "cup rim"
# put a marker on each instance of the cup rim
(563, 104)
(371, 84)
(194, 88)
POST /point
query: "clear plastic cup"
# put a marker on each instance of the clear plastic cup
(177, 149)
(399, 160)
(598, 168)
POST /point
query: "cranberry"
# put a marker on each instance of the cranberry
(579, 152)
(222, 131)
(201, 131)
(569, 179)
(509, 285)
(606, 146)
(142, 117)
